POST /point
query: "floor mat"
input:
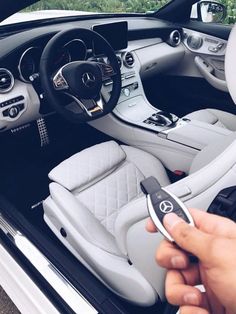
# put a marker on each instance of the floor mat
(25, 166)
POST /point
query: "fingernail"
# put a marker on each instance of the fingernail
(178, 262)
(170, 220)
(191, 298)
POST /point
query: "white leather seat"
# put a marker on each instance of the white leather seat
(216, 117)
(89, 191)
(96, 206)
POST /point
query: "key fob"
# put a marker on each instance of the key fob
(160, 203)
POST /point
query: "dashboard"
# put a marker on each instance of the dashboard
(148, 47)
(21, 96)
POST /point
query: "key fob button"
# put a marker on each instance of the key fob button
(158, 197)
(179, 212)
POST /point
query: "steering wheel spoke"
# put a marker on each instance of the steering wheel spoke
(59, 82)
(89, 106)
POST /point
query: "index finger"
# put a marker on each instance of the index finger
(150, 227)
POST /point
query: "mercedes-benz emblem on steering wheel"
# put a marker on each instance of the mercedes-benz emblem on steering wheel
(166, 207)
(88, 79)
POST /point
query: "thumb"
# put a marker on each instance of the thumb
(188, 237)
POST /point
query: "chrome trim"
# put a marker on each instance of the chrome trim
(12, 81)
(81, 105)
(59, 81)
(100, 103)
(124, 59)
(75, 300)
(19, 64)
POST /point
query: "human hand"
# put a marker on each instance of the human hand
(213, 241)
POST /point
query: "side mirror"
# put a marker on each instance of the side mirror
(209, 12)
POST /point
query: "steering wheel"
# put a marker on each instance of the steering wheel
(82, 81)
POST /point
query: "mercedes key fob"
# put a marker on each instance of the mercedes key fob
(160, 202)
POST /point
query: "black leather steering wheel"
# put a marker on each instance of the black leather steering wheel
(81, 80)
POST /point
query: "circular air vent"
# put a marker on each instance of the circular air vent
(6, 80)
(174, 38)
(128, 59)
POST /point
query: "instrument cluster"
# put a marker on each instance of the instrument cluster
(29, 62)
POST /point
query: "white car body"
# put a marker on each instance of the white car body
(20, 287)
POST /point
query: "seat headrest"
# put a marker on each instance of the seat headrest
(88, 166)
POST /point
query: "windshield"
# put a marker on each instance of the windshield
(57, 8)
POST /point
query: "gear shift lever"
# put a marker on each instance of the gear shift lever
(163, 118)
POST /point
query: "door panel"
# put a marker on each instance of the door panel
(198, 81)
(182, 95)
(218, 30)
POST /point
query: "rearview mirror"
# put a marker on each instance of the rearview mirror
(209, 12)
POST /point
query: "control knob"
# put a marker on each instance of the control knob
(126, 92)
(13, 112)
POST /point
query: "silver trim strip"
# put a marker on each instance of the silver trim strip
(51, 274)
(20, 63)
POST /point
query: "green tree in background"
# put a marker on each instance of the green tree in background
(118, 6)
(231, 11)
(111, 6)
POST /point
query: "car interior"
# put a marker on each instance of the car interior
(89, 107)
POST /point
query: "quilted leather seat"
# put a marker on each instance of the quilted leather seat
(216, 117)
(90, 190)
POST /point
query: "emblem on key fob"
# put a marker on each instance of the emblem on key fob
(161, 202)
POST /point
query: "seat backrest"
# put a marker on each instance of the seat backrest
(88, 166)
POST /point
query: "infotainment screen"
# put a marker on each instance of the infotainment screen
(115, 33)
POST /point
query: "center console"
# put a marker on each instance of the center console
(174, 141)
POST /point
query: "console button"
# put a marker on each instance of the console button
(126, 92)
(21, 106)
(5, 113)
(135, 85)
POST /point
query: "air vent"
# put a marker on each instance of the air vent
(174, 38)
(6, 80)
(128, 59)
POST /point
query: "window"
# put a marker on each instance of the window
(100, 6)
